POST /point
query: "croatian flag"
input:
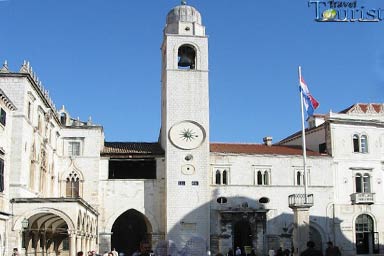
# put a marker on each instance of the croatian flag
(310, 103)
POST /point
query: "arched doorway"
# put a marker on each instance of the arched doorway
(366, 238)
(315, 236)
(242, 235)
(129, 230)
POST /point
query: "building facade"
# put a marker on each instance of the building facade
(64, 189)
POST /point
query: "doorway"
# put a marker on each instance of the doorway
(242, 235)
(129, 230)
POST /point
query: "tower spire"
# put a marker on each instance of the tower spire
(184, 2)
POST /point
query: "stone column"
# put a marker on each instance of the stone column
(105, 242)
(87, 243)
(78, 243)
(301, 229)
(83, 238)
(72, 243)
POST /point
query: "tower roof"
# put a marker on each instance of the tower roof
(184, 13)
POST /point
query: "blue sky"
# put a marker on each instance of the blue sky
(102, 59)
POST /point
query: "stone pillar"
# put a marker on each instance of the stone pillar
(88, 243)
(72, 243)
(78, 243)
(105, 242)
(83, 242)
(301, 228)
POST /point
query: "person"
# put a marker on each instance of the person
(238, 251)
(80, 253)
(114, 252)
(230, 252)
(279, 252)
(110, 254)
(15, 252)
(311, 250)
(332, 250)
(253, 253)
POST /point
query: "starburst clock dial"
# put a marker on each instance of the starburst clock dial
(187, 135)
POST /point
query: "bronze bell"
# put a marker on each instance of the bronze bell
(185, 61)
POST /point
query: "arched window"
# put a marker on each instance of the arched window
(1, 175)
(360, 143)
(259, 178)
(218, 177)
(364, 144)
(186, 57)
(262, 176)
(358, 181)
(266, 178)
(225, 178)
(298, 179)
(39, 125)
(356, 146)
(73, 185)
(63, 118)
(363, 183)
(366, 183)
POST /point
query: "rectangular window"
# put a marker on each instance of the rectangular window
(195, 183)
(181, 183)
(29, 111)
(132, 169)
(1, 175)
(74, 148)
(358, 180)
(3, 116)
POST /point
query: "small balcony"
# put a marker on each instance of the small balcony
(300, 201)
(363, 198)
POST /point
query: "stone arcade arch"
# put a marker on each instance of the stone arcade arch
(129, 230)
(52, 226)
(47, 232)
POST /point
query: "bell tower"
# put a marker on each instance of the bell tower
(185, 127)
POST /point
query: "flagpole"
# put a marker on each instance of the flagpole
(303, 141)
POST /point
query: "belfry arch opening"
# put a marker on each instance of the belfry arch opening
(186, 57)
(129, 231)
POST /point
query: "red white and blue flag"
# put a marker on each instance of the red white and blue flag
(310, 103)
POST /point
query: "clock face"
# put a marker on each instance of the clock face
(187, 135)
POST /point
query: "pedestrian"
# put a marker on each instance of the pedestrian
(279, 252)
(311, 251)
(238, 251)
(80, 253)
(230, 252)
(332, 250)
(15, 252)
(114, 252)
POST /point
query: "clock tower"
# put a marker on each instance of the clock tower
(185, 127)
